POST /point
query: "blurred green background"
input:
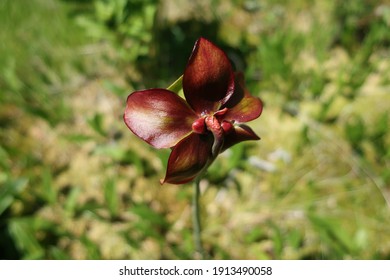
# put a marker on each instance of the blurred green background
(75, 183)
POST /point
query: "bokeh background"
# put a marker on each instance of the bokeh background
(75, 183)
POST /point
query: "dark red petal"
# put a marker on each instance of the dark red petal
(199, 126)
(158, 116)
(188, 158)
(240, 133)
(227, 127)
(242, 106)
(208, 79)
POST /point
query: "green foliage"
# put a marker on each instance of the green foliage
(125, 23)
(334, 235)
(9, 191)
(75, 183)
(34, 61)
(111, 198)
(354, 132)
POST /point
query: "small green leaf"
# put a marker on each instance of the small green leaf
(255, 235)
(148, 214)
(177, 86)
(49, 192)
(278, 240)
(355, 133)
(92, 248)
(71, 201)
(8, 192)
(333, 234)
(111, 197)
(23, 232)
(96, 122)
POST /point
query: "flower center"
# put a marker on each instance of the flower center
(214, 124)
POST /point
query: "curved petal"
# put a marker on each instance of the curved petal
(241, 133)
(242, 106)
(158, 116)
(188, 158)
(208, 80)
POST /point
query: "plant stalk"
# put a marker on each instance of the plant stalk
(196, 218)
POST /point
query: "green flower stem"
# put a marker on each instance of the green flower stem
(196, 218)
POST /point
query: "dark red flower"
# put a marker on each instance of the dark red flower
(203, 125)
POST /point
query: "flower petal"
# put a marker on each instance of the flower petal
(158, 116)
(240, 133)
(208, 80)
(188, 158)
(242, 106)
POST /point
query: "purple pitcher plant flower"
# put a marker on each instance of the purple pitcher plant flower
(206, 123)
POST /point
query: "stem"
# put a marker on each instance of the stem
(196, 218)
